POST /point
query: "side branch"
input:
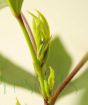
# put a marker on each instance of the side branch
(68, 79)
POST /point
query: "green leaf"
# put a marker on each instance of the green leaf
(16, 76)
(41, 35)
(42, 52)
(3, 4)
(15, 6)
(45, 24)
(46, 87)
(40, 27)
(17, 102)
(36, 29)
(51, 78)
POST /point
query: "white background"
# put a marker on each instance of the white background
(67, 18)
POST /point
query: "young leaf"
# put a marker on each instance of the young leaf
(3, 4)
(46, 87)
(36, 29)
(45, 24)
(15, 6)
(42, 52)
(51, 78)
(37, 32)
(42, 28)
(41, 35)
(17, 102)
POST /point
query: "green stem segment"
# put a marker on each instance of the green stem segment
(35, 61)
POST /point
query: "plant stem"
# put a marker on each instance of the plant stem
(26, 35)
(68, 79)
(35, 61)
(46, 102)
(29, 33)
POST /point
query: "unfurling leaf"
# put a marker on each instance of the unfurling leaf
(41, 35)
(51, 78)
(42, 52)
(15, 6)
(17, 102)
(45, 24)
(36, 29)
(3, 4)
(46, 87)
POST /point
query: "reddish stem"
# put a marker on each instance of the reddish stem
(29, 32)
(46, 102)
